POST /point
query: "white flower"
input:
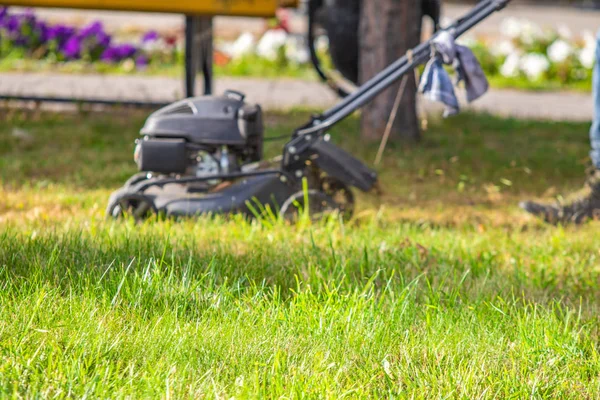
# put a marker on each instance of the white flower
(503, 48)
(271, 42)
(153, 46)
(559, 51)
(547, 34)
(587, 57)
(322, 44)
(589, 39)
(244, 45)
(128, 65)
(564, 32)
(526, 31)
(511, 27)
(296, 50)
(530, 32)
(534, 65)
(511, 66)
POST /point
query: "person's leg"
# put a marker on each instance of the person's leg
(595, 131)
(588, 205)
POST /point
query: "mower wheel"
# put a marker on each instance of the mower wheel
(124, 204)
(319, 206)
(341, 194)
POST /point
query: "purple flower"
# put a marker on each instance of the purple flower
(60, 33)
(110, 54)
(72, 48)
(127, 51)
(90, 43)
(142, 61)
(42, 31)
(94, 35)
(21, 28)
(117, 53)
(12, 24)
(92, 30)
(103, 40)
(150, 36)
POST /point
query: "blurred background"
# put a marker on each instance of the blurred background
(139, 56)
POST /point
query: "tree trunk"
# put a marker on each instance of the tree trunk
(388, 29)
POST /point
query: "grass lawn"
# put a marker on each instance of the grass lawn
(438, 288)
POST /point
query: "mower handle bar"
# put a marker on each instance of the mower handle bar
(386, 78)
(399, 63)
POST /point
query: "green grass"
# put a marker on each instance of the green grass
(439, 288)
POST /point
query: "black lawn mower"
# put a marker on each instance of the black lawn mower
(205, 155)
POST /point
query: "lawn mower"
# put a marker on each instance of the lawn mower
(205, 155)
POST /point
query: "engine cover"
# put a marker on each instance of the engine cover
(212, 122)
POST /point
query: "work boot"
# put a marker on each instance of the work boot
(584, 207)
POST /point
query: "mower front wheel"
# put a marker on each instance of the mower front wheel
(138, 206)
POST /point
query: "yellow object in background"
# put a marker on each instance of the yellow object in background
(250, 8)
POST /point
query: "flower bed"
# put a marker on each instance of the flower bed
(23, 36)
(528, 56)
(524, 56)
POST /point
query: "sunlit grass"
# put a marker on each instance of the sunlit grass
(438, 288)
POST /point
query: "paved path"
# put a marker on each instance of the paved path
(279, 94)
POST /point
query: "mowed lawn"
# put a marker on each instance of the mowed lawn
(440, 287)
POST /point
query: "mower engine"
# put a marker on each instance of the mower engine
(204, 155)
(201, 137)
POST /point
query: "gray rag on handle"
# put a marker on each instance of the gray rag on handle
(436, 84)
